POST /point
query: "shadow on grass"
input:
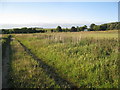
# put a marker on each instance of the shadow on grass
(50, 71)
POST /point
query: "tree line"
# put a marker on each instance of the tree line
(22, 30)
(72, 29)
(93, 27)
(103, 27)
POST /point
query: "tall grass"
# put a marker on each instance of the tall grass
(87, 59)
(25, 71)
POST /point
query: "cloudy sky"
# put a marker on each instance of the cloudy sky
(52, 14)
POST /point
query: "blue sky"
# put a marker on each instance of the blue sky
(52, 14)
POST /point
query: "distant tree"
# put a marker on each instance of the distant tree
(92, 27)
(112, 26)
(59, 29)
(11, 31)
(117, 27)
(84, 27)
(73, 29)
(81, 29)
(33, 28)
(96, 28)
(51, 30)
(108, 26)
(17, 30)
(103, 27)
(78, 29)
(24, 28)
(66, 30)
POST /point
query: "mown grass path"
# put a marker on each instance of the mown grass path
(5, 67)
(50, 71)
(0, 65)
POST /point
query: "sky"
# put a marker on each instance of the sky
(52, 14)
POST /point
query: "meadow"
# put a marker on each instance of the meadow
(25, 71)
(85, 59)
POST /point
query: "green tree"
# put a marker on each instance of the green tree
(82, 28)
(59, 29)
(73, 29)
(78, 29)
(103, 27)
(96, 28)
(117, 27)
(66, 30)
(85, 27)
(92, 27)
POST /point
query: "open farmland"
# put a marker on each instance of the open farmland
(58, 44)
(66, 59)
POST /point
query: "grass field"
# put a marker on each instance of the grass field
(25, 71)
(85, 59)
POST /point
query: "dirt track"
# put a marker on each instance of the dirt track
(0, 65)
(5, 67)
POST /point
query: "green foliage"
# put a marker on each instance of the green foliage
(59, 29)
(82, 28)
(22, 30)
(73, 29)
(103, 27)
(93, 27)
